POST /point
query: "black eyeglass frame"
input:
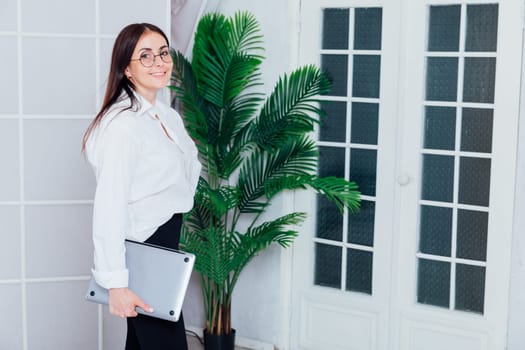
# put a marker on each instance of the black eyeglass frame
(168, 50)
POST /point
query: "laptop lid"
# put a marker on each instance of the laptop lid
(158, 275)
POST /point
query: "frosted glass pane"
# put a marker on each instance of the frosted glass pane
(54, 166)
(366, 76)
(438, 178)
(470, 288)
(10, 249)
(329, 220)
(482, 27)
(113, 18)
(435, 232)
(365, 120)
(444, 28)
(440, 127)
(51, 228)
(442, 79)
(8, 15)
(336, 67)
(359, 271)
(433, 285)
(64, 93)
(335, 28)
(10, 158)
(476, 130)
(368, 24)
(333, 126)
(61, 16)
(9, 76)
(363, 166)
(472, 235)
(74, 320)
(480, 75)
(474, 181)
(361, 224)
(327, 265)
(11, 324)
(331, 161)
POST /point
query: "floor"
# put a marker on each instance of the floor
(194, 344)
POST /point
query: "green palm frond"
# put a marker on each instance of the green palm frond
(296, 157)
(292, 107)
(214, 248)
(341, 192)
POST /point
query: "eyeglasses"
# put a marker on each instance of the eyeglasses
(147, 59)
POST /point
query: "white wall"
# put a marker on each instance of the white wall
(55, 56)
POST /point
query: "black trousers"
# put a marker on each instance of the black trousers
(149, 333)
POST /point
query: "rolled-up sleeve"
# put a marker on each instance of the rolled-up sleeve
(116, 152)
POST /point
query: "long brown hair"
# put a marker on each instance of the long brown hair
(117, 81)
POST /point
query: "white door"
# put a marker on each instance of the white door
(423, 116)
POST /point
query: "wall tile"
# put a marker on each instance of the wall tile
(106, 46)
(58, 75)
(11, 320)
(114, 331)
(54, 167)
(61, 16)
(58, 317)
(10, 263)
(9, 74)
(135, 11)
(8, 15)
(58, 240)
(9, 154)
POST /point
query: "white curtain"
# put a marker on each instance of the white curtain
(185, 15)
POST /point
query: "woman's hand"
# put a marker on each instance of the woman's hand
(122, 302)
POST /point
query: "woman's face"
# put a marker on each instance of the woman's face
(150, 66)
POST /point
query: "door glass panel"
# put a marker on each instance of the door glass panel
(433, 282)
(329, 220)
(456, 156)
(438, 178)
(365, 82)
(472, 234)
(474, 181)
(367, 33)
(348, 139)
(440, 127)
(332, 161)
(334, 124)
(336, 67)
(444, 28)
(359, 271)
(470, 288)
(363, 165)
(435, 230)
(327, 265)
(335, 28)
(365, 119)
(480, 74)
(361, 225)
(482, 28)
(442, 78)
(476, 130)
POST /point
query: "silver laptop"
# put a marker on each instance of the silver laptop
(158, 275)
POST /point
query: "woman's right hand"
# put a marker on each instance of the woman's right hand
(122, 302)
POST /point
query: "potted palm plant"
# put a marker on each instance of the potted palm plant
(252, 148)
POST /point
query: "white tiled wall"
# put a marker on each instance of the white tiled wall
(55, 57)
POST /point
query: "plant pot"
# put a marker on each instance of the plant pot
(219, 342)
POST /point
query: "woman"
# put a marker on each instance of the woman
(147, 170)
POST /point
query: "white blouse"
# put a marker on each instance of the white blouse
(143, 178)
